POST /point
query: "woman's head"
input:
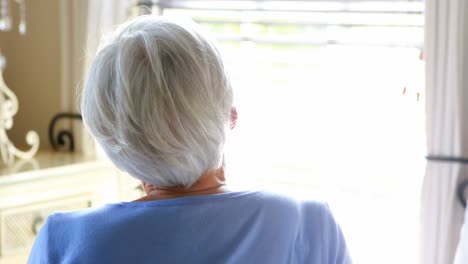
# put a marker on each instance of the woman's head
(158, 101)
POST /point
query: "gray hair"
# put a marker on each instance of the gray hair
(158, 100)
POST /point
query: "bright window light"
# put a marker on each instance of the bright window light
(331, 106)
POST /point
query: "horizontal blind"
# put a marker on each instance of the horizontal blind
(372, 6)
(317, 23)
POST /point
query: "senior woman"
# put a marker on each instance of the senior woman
(159, 102)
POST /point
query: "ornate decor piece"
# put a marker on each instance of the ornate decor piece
(63, 135)
(8, 109)
(8, 100)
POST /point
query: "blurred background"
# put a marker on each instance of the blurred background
(330, 96)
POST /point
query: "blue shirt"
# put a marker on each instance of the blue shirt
(236, 227)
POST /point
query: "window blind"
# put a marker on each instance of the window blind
(372, 6)
(316, 22)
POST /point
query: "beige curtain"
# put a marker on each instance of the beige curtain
(446, 56)
(82, 24)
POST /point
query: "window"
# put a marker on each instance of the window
(330, 101)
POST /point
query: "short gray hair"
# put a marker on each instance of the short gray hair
(158, 101)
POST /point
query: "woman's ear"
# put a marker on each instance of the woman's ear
(148, 187)
(233, 117)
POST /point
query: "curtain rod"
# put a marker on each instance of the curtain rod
(447, 159)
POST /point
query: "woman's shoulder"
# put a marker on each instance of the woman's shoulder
(291, 206)
(291, 200)
(76, 219)
(267, 202)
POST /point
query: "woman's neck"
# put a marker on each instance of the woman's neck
(212, 182)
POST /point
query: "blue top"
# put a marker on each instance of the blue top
(236, 227)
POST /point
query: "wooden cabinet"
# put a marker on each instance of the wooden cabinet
(52, 182)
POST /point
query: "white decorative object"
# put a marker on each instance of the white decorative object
(8, 109)
(8, 100)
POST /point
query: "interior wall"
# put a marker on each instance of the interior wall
(33, 70)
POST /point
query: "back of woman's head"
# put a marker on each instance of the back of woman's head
(158, 101)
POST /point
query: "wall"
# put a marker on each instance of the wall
(33, 69)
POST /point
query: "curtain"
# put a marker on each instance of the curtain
(83, 22)
(446, 56)
(461, 256)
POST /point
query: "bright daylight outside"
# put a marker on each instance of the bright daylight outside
(330, 101)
